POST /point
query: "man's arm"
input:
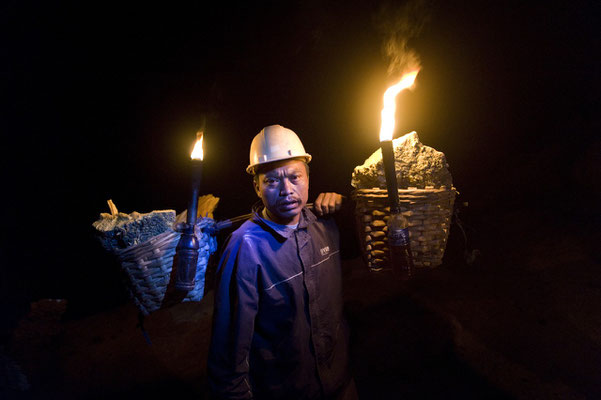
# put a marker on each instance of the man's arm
(236, 300)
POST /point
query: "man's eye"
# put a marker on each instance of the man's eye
(271, 181)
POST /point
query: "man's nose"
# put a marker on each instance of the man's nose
(285, 187)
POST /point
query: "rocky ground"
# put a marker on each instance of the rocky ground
(522, 321)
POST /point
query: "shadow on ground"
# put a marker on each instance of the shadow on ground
(400, 349)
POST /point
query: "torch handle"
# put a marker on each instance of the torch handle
(196, 172)
(192, 208)
(390, 174)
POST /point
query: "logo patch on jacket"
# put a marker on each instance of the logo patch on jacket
(324, 250)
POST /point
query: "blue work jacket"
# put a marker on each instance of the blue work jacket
(278, 328)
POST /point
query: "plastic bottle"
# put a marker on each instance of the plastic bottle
(401, 259)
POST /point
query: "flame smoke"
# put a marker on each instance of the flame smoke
(399, 25)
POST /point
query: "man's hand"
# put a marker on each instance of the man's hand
(327, 203)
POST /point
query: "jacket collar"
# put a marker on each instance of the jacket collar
(306, 219)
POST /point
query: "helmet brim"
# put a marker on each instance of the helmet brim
(305, 157)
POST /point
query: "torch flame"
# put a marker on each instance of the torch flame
(389, 110)
(197, 153)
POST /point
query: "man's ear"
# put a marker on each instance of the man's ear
(256, 186)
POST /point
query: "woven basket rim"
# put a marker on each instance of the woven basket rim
(169, 234)
(407, 190)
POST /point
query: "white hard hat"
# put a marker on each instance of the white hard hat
(275, 143)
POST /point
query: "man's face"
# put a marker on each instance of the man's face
(284, 190)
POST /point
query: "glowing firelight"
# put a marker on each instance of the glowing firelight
(197, 153)
(389, 109)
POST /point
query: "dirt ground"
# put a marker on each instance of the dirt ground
(523, 321)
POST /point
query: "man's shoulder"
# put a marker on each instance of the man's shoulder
(250, 230)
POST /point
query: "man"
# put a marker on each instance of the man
(278, 329)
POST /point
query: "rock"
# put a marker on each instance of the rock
(417, 165)
(122, 230)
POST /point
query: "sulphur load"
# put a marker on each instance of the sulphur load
(416, 166)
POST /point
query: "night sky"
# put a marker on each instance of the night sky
(103, 101)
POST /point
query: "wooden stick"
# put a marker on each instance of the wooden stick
(228, 223)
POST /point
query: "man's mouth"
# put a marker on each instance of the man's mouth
(289, 204)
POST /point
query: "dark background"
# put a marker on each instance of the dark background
(103, 101)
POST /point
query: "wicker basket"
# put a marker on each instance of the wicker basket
(148, 266)
(429, 214)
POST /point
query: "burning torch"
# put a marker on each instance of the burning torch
(186, 252)
(398, 230)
